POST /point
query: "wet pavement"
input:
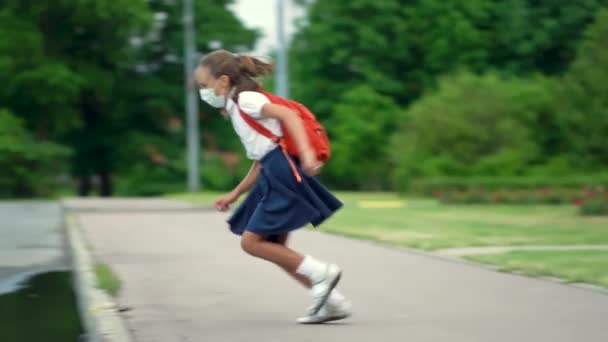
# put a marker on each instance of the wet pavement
(31, 241)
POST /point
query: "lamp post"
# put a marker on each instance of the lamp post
(282, 79)
(192, 140)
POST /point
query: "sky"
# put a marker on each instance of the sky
(262, 14)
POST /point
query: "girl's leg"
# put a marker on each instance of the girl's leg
(338, 306)
(324, 276)
(282, 240)
(278, 254)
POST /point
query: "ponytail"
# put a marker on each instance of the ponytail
(253, 67)
(241, 69)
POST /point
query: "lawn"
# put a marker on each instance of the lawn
(581, 266)
(203, 198)
(428, 225)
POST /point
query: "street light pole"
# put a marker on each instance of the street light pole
(282, 80)
(191, 100)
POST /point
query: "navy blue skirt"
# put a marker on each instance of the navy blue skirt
(279, 204)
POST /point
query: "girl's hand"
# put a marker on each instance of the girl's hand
(224, 202)
(310, 164)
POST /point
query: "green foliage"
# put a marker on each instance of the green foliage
(521, 197)
(363, 122)
(408, 89)
(400, 47)
(430, 186)
(29, 167)
(472, 125)
(595, 207)
(156, 177)
(148, 100)
(106, 78)
(579, 190)
(107, 279)
(144, 179)
(504, 118)
(584, 98)
(595, 202)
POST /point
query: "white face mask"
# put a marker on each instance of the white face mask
(208, 95)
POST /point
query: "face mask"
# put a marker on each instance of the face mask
(208, 95)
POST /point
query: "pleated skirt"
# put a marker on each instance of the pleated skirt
(278, 204)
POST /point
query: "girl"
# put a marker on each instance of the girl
(278, 204)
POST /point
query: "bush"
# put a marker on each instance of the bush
(442, 184)
(473, 126)
(217, 175)
(594, 203)
(512, 190)
(146, 179)
(363, 123)
(584, 98)
(547, 196)
(28, 168)
(149, 179)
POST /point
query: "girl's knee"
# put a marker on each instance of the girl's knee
(249, 245)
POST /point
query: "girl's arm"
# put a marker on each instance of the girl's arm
(249, 179)
(224, 202)
(294, 125)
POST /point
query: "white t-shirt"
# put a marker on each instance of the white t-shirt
(256, 145)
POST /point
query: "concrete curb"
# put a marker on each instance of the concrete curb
(99, 313)
(463, 261)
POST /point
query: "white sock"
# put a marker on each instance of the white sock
(312, 268)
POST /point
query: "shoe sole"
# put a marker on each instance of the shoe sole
(332, 285)
(328, 319)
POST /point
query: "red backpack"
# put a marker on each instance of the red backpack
(317, 136)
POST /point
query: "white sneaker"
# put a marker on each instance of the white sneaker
(322, 288)
(328, 313)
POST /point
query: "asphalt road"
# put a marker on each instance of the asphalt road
(185, 279)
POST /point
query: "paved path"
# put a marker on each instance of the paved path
(31, 241)
(186, 280)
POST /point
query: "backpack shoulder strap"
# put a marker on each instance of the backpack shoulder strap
(256, 125)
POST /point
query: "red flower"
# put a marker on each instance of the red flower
(577, 202)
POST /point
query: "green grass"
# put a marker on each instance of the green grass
(581, 266)
(426, 224)
(106, 279)
(203, 198)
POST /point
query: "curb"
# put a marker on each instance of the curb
(469, 263)
(98, 311)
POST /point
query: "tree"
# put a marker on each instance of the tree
(63, 88)
(400, 47)
(29, 168)
(362, 125)
(152, 104)
(472, 125)
(584, 98)
(106, 78)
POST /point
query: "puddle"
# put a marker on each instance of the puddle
(44, 308)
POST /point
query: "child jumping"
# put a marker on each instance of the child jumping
(286, 195)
